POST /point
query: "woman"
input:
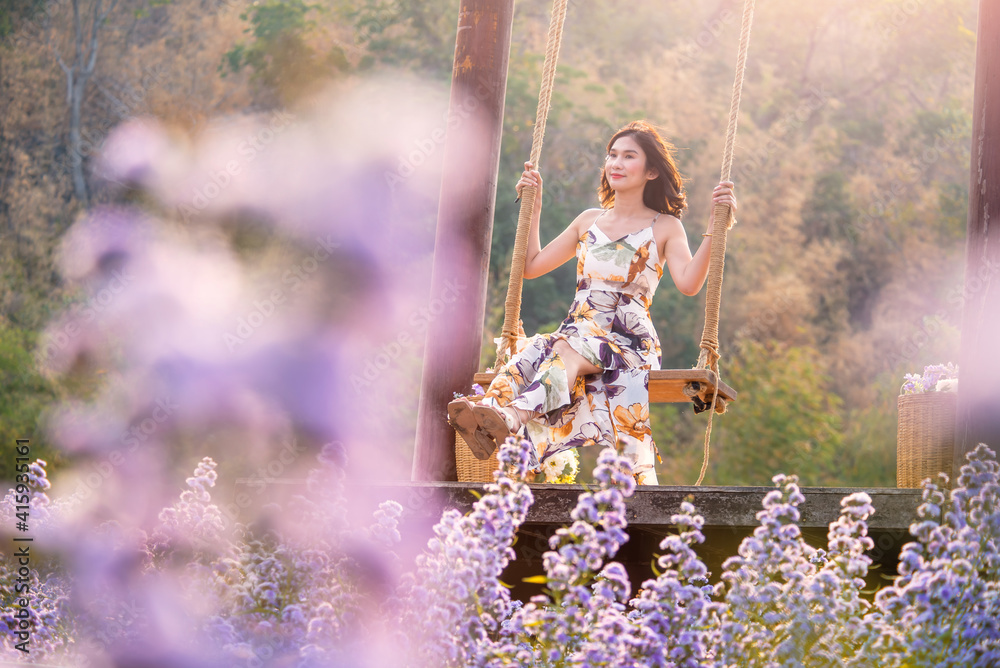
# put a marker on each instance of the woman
(587, 382)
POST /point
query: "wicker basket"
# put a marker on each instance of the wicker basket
(925, 442)
(469, 468)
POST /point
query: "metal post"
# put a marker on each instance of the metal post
(978, 414)
(464, 227)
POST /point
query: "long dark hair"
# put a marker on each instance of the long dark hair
(665, 193)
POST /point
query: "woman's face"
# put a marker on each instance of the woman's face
(625, 166)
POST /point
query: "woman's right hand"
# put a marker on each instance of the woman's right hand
(529, 177)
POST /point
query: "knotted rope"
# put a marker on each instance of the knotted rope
(709, 356)
(512, 307)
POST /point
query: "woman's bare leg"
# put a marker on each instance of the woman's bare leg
(576, 365)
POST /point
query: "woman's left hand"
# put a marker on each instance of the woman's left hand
(723, 194)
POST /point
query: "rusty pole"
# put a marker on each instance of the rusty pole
(464, 227)
(978, 413)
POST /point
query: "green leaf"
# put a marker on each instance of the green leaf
(536, 579)
(234, 59)
(619, 252)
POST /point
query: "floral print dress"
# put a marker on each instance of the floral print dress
(609, 325)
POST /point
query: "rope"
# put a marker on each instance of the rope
(709, 356)
(512, 307)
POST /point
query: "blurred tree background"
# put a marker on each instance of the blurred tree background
(851, 168)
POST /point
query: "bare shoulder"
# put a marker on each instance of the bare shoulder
(668, 227)
(583, 222)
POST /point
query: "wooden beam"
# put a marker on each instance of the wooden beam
(464, 226)
(650, 506)
(978, 410)
(653, 505)
(729, 512)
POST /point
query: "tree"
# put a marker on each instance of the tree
(786, 420)
(24, 394)
(280, 53)
(14, 12)
(86, 33)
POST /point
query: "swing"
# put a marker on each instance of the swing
(701, 385)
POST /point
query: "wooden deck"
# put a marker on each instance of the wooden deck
(729, 512)
(652, 506)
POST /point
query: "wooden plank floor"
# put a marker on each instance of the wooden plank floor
(729, 512)
(653, 505)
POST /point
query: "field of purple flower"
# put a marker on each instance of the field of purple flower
(198, 591)
(204, 348)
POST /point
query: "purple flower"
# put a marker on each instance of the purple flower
(928, 381)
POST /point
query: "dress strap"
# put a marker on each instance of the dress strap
(594, 223)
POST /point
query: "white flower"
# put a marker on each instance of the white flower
(561, 467)
(947, 385)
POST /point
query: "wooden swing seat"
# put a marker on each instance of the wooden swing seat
(668, 386)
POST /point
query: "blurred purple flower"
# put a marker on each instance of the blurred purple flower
(135, 153)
